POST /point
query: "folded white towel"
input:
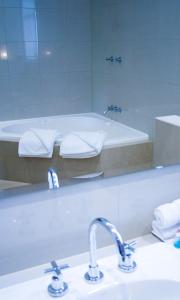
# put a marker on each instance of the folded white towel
(165, 234)
(37, 143)
(167, 215)
(82, 144)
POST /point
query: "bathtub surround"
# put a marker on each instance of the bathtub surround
(167, 140)
(9, 184)
(111, 162)
(45, 58)
(128, 201)
(124, 149)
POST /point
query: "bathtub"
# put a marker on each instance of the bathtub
(117, 133)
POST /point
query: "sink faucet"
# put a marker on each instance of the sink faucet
(124, 251)
(58, 287)
(53, 179)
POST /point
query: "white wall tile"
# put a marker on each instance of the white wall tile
(14, 25)
(12, 3)
(59, 4)
(45, 41)
(54, 86)
(51, 25)
(146, 35)
(53, 57)
(2, 27)
(78, 85)
(79, 57)
(79, 9)
(4, 66)
(78, 30)
(22, 62)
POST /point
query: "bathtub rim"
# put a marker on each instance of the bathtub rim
(111, 143)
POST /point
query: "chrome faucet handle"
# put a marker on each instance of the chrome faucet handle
(110, 59)
(132, 245)
(128, 265)
(55, 268)
(118, 59)
(58, 287)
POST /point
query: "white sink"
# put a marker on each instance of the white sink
(157, 278)
(140, 290)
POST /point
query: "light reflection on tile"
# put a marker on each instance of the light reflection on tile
(37, 51)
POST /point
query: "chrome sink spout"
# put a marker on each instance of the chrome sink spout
(114, 233)
(124, 251)
(53, 179)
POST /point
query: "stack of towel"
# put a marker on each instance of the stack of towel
(37, 142)
(40, 143)
(82, 144)
(167, 220)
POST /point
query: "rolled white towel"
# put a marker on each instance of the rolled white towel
(167, 215)
(164, 234)
(37, 142)
(177, 201)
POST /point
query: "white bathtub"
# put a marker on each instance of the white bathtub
(117, 133)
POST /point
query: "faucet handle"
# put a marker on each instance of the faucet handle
(57, 269)
(128, 265)
(130, 246)
(58, 287)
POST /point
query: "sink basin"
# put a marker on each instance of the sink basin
(157, 278)
(140, 290)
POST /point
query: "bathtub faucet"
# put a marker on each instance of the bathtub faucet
(113, 108)
(124, 251)
(53, 179)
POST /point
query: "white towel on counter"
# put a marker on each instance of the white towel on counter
(165, 234)
(168, 215)
(37, 143)
(82, 144)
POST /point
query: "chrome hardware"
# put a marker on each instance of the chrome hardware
(109, 108)
(117, 109)
(58, 287)
(94, 275)
(53, 179)
(128, 265)
(110, 59)
(113, 108)
(118, 59)
(114, 59)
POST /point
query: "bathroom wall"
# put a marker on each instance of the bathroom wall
(45, 57)
(39, 226)
(146, 35)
